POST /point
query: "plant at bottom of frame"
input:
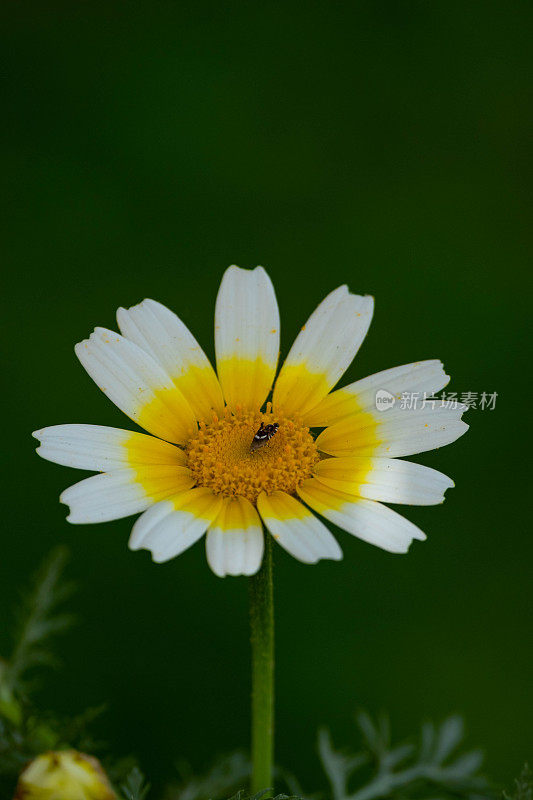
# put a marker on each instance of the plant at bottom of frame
(523, 786)
(26, 731)
(433, 768)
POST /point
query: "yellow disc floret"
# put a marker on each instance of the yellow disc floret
(221, 456)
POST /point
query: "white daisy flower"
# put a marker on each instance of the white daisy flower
(223, 460)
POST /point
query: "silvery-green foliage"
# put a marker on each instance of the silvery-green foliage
(224, 779)
(523, 786)
(431, 769)
(242, 795)
(259, 795)
(23, 733)
(227, 774)
(26, 731)
(37, 620)
(135, 786)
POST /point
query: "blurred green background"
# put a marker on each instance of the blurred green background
(387, 145)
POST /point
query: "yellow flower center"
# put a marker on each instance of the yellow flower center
(220, 455)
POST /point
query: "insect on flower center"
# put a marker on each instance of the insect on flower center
(245, 453)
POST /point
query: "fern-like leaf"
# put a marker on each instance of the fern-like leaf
(523, 786)
(431, 770)
(37, 620)
(135, 786)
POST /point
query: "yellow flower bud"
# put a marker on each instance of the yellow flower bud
(64, 775)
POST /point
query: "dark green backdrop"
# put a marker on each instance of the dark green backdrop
(383, 144)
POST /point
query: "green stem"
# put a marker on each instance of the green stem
(262, 640)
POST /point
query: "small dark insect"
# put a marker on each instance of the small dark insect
(264, 434)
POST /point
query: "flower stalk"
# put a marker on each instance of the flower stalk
(262, 642)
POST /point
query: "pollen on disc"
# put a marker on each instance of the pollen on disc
(221, 455)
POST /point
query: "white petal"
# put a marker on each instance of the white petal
(148, 521)
(137, 384)
(235, 543)
(386, 479)
(296, 529)
(117, 494)
(96, 447)
(246, 336)
(366, 519)
(323, 350)
(393, 433)
(175, 534)
(174, 526)
(422, 378)
(101, 498)
(159, 332)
